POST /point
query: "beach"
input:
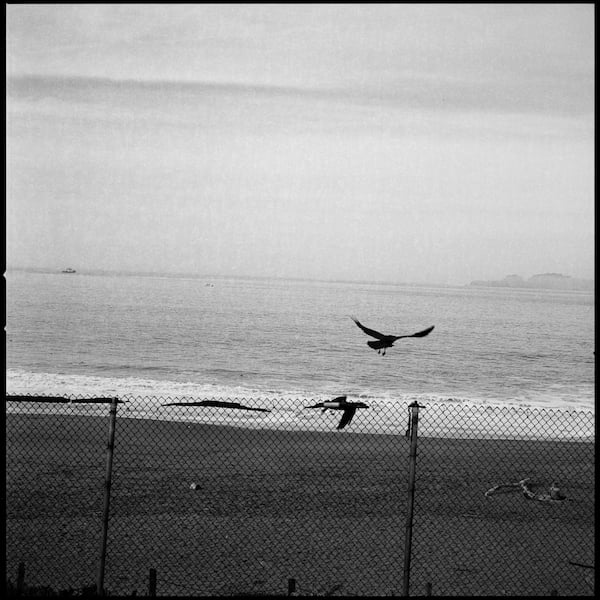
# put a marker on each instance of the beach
(325, 508)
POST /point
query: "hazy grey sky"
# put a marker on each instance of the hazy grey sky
(409, 143)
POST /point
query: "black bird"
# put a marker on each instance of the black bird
(217, 403)
(340, 403)
(387, 341)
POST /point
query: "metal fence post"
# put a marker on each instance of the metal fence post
(107, 484)
(291, 586)
(152, 583)
(20, 578)
(412, 466)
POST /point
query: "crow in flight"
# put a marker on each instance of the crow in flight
(387, 341)
(340, 403)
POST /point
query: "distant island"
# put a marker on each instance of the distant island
(545, 281)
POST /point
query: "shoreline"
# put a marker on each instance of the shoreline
(436, 420)
(22, 381)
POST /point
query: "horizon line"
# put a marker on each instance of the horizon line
(181, 274)
(175, 274)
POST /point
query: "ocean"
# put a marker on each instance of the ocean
(171, 336)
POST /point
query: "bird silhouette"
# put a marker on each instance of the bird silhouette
(387, 341)
(340, 403)
(219, 403)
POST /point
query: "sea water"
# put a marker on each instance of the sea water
(273, 341)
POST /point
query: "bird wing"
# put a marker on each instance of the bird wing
(368, 331)
(419, 333)
(347, 417)
(318, 405)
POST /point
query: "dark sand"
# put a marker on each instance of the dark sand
(328, 509)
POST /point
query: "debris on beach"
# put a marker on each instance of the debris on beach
(554, 494)
(505, 488)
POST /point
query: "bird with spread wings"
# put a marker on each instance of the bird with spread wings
(340, 403)
(387, 341)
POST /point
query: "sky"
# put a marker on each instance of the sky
(424, 143)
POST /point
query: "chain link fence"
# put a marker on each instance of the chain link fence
(275, 496)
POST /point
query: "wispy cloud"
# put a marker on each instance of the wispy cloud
(444, 104)
(511, 58)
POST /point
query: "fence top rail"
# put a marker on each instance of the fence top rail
(62, 399)
(439, 405)
(377, 416)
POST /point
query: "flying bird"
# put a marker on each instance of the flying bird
(217, 403)
(387, 341)
(340, 403)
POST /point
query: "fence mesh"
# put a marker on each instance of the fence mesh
(537, 516)
(238, 496)
(55, 467)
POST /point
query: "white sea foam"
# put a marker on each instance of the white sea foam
(440, 417)
(19, 381)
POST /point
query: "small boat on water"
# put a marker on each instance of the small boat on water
(69, 270)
